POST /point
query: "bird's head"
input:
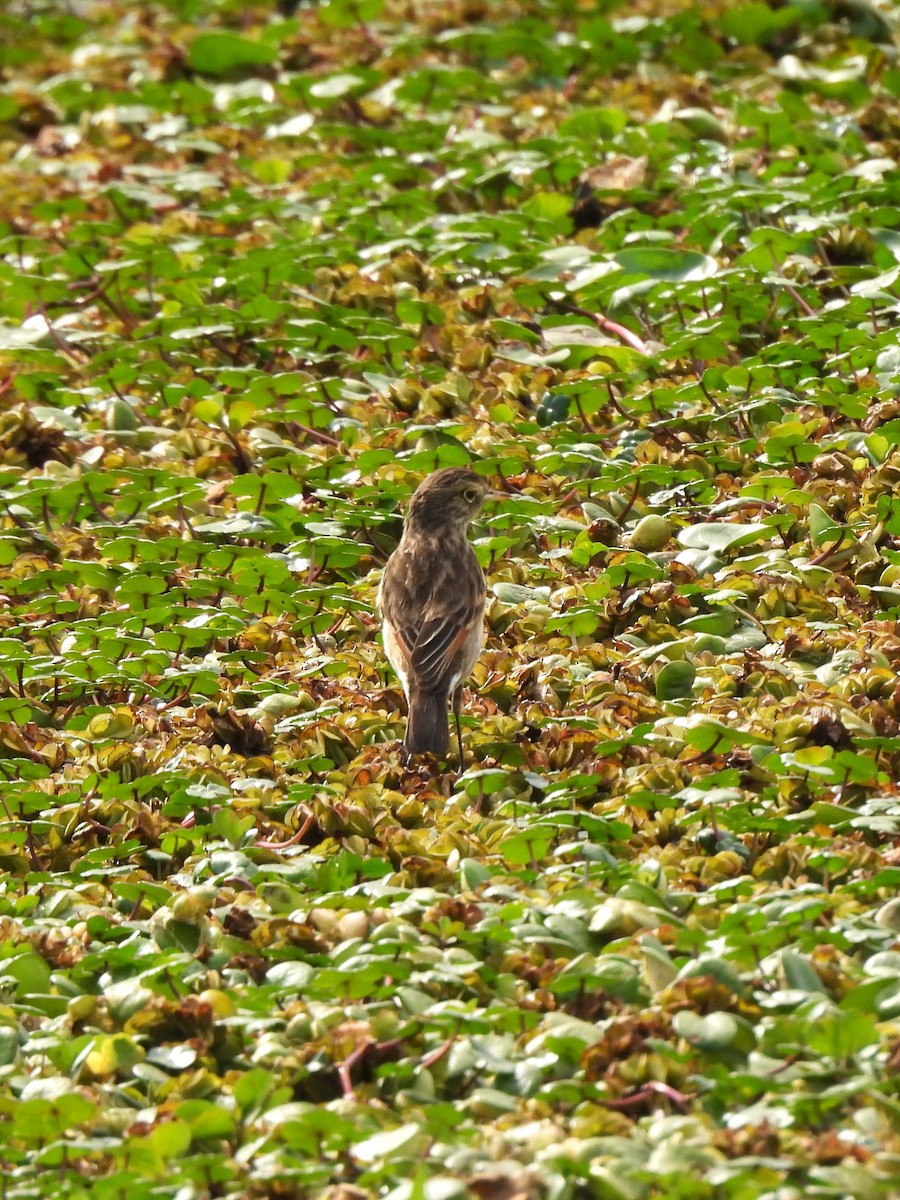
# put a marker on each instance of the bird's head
(449, 497)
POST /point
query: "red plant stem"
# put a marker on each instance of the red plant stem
(620, 331)
(291, 841)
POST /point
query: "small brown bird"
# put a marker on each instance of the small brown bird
(432, 604)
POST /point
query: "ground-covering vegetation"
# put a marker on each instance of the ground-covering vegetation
(261, 269)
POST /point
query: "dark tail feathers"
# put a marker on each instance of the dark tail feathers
(428, 728)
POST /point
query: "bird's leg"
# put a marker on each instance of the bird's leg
(457, 704)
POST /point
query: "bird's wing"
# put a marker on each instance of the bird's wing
(439, 643)
(432, 624)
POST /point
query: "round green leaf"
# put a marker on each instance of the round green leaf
(676, 681)
(712, 1032)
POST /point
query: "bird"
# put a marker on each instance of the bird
(431, 599)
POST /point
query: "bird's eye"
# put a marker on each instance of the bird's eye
(470, 495)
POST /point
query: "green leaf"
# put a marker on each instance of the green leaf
(343, 14)
(822, 527)
(28, 972)
(675, 681)
(388, 1144)
(707, 734)
(835, 1033)
(719, 538)
(676, 266)
(171, 1138)
(713, 1032)
(800, 973)
(593, 124)
(755, 23)
(220, 53)
(252, 1087)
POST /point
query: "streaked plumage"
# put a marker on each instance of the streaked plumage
(432, 603)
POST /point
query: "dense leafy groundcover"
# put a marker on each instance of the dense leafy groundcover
(261, 269)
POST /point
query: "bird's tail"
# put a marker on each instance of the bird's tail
(428, 728)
